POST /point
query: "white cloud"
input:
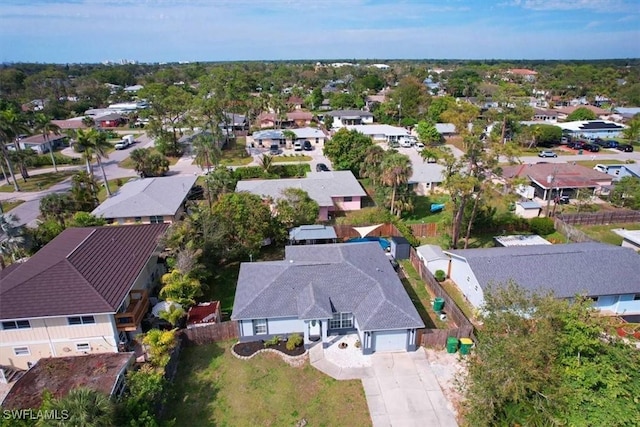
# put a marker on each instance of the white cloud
(601, 5)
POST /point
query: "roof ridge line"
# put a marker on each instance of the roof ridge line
(80, 244)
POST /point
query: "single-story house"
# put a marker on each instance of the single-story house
(528, 209)
(73, 123)
(147, 201)
(381, 133)
(342, 118)
(312, 235)
(264, 138)
(110, 120)
(295, 102)
(291, 119)
(620, 171)
(545, 115)
(523, 73)
(335, 190)
(104, 373)
(203, 314)
(39, 144)
(133, 89)
(446, 129)
(567, 270)
(561, 179)
(86, 291)
(627, 113)
(591, 129)
(520, 240)
(425, 177)
(236, 122)
(564, 112)
(323, 290)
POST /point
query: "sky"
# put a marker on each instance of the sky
(90, 31)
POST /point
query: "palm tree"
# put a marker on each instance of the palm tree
(180, 288)
(13, 245)
(100, 147)
(290, 135)
(7, 135)
(4, 159)
(44, 125)
(86, 408)
(206, 152)
(12, 124)
(266, 161)
(84, 142)
(396, 170)
(632, 132)
(371, 167)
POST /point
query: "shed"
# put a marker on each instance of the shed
(528, 209)
(400, 247)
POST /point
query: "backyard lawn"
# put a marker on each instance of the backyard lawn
(39, 182)
(420, 296)
(603, 233)
(422, 213)
(213, 388)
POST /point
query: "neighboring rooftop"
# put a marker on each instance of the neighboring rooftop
(567, 270)
(82, 271)
(590, 125)
(563, 175)
(315, 280)
(521, 240)
(40, 139)
(321, 186)
(147, 197)
(350, 114)
(312, 232)
(60, 375)
(431, 252)
(205, 312)
(426, 172)
(386, 130)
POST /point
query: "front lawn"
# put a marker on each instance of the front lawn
(214, 388)
(114, 185)
(236, 153)
(7, 205)
(592, 163)
(291, 158)
(39, 182)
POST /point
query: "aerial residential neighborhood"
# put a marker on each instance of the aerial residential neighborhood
(297, 241)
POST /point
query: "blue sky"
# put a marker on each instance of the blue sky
(220, 30)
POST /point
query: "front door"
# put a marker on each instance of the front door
(315, 328)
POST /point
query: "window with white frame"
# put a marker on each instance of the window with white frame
(260, 327)
(156, 219)
(341, 321)
(16, 324)
(81, 320)
(21, 351)
(83, 346)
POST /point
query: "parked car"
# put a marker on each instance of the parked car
(627, 148)
(576, 145)
(297, 146)
(547, 153)
(321, 167)
(563, 200)
(591, 147)
(419, 146)
(274, 150)
(307, 146)
(601, 168)
(405, 143)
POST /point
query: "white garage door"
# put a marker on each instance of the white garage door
(390, 341)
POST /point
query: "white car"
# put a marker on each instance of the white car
(405, 143)
(419, 146)
(297, 146)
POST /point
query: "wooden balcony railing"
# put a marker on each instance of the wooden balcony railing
(130, 319)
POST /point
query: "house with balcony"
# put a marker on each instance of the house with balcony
(336, 190)
(85, 292)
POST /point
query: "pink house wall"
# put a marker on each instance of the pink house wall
(353, 205)
(323, 215)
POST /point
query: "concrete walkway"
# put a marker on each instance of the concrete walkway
(401, 389)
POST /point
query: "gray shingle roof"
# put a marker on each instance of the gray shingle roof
(147, 197)
(424, 172)
(577, 268)
(312, 232)
(314, 279)
(321, 186)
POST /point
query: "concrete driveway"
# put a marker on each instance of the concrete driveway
(401, 388)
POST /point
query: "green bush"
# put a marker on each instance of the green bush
(273, 341)
(440, 275)
(542, 225)
(45, 160)
(294, 341)
(249, 172)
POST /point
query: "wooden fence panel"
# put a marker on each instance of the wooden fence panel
(210, 333)
(601, 218)
(424, 230)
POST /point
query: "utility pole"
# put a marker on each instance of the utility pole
(551, 179)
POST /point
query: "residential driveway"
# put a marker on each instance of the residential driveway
(401, 388)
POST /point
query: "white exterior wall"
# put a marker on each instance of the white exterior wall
(463, 276)
(526, 213)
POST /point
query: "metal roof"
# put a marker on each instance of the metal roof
(312, 232)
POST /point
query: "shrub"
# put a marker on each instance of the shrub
(45, 160)
(294, 341)
(440, 275)
(273, 341)
(542, 225)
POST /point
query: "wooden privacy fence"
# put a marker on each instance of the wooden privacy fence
(424, 230)
(438, 337)
(210, 333)
(570, 232)
(601, 218)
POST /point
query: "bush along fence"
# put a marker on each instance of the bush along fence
(438, 337)
(210, 333)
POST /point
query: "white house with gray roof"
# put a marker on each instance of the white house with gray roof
(323, 290)
(381, 133)
(335, 190)
(147, 201)
(608, 274)
(425, 177)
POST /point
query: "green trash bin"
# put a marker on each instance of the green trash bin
(452, 344)
(438, 304)
(465, 345)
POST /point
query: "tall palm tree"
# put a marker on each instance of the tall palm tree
(4, 159)
(84, 142)
(371, 167)
(44, 125)
(7, 136)
(86, 408)
(12, 125)
(632, 132)
(100, 147)
(206, 152)
(396, 170)
(13, 245)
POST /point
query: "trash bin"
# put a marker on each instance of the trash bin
(465, 345)
(438, 304)
(580, 152)
(452, 344)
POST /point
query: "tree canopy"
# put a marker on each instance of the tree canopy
(582, 113)
(347, 149)
(295, 208)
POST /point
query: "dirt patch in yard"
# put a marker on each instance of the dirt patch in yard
(450, 370)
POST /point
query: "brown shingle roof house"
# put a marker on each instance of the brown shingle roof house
(84, 292)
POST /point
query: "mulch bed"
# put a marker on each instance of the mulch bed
(247, 349)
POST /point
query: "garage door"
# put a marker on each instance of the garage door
(390, 341)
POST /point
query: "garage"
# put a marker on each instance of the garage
(390, 340)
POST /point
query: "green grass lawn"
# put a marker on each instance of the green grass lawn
(8, 205)
(420, 297)
(421, 210)
(292, 158)
(458, 298)
(603, 233)
(114, 185)
(236, 154)
(592, 163)
(213, 388)
(38, 182)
